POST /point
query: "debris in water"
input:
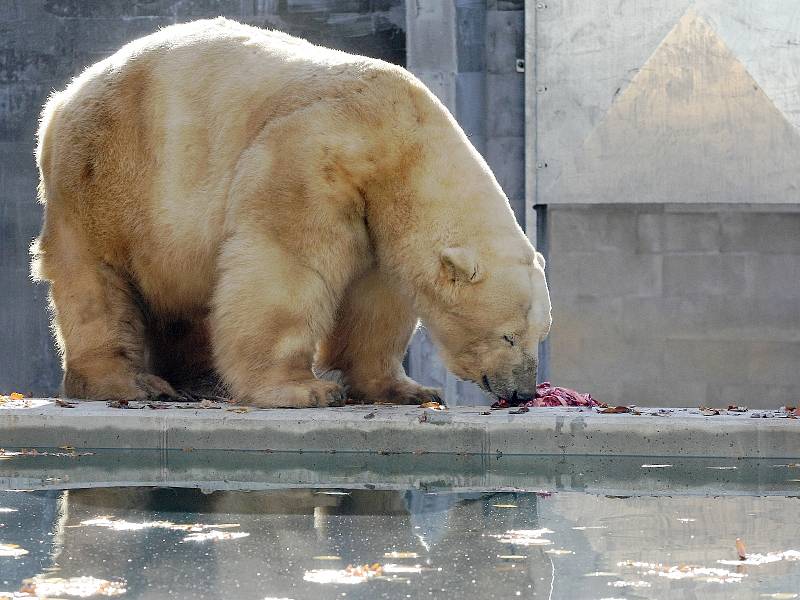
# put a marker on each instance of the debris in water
(12, 550)
(215, 535)
(708, 412)
(349, 575)
(708, 574)
(240, 410)
(65, 404)
(762, 559)
(400, 555)
(740, 549)
(82, 587)
(524, 537)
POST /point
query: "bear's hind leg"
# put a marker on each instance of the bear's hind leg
(97, 323)
(268, 312)
(372, 331)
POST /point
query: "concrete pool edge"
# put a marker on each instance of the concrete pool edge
(402, 429)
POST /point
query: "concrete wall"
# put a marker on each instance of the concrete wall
(677, 305)
(43, 43)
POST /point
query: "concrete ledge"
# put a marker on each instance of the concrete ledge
(402, 429)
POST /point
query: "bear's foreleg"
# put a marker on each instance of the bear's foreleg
(374, 325)
(268, 311)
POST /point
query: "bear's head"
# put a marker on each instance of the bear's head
(490, 312)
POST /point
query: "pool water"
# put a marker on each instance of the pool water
(417, 542)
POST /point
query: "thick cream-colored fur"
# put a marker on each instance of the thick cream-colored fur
(222, 196)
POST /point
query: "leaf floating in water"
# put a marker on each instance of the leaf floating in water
(12, 550)
(708, 574)
(350, 575)
(763, 559)
(524, 537)
(215, 536)
(400, 555)
(82, 587)
(740, 549)
(629, 584)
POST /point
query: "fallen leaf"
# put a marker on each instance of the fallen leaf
(241, 410)
(616, 410)
(400, 555)
(157, 406)
(16, 396)
(65, 404)
(206, 403)
(433, 405)
(12, 550)
(81, 587)
(740, 549)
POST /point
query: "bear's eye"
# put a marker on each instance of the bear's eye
(509, 339)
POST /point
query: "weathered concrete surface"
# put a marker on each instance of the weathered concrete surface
(396, 429)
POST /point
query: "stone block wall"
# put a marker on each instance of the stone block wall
(43, 44)
(676, 305)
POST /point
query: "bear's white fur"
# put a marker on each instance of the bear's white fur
(221, 196)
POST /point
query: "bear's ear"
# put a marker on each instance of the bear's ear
(461, 264)
(540, 260)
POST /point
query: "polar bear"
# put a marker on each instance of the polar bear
(222, 196)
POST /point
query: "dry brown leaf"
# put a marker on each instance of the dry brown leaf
(740, 549)
(16, 396)
(240, 410)
(615, 410)
(433, 405)
(64, 403)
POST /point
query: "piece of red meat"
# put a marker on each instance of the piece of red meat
(551, 395)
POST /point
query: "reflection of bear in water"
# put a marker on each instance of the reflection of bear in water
(444, 530)
(222, 196)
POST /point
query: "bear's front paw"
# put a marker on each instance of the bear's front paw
(401, 392)
(308, 394)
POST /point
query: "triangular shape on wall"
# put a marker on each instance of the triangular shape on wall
(692, 126)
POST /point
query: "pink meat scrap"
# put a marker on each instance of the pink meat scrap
(552, 395)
